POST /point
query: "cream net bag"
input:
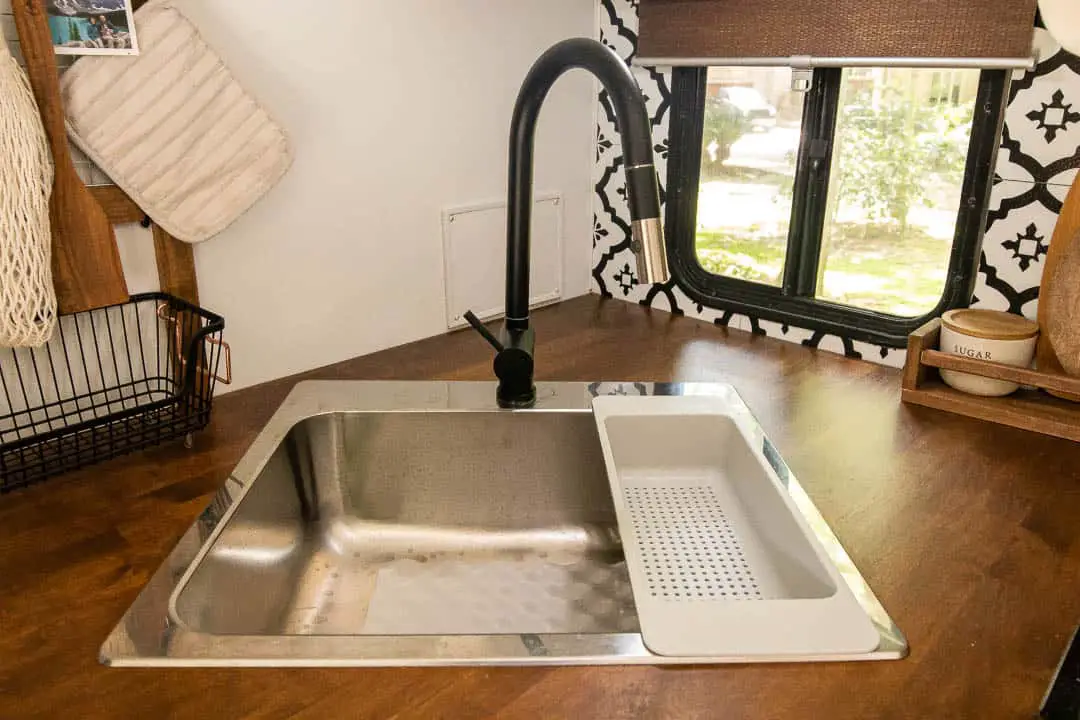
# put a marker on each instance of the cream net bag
(27, 297)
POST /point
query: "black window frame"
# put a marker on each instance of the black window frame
(793, 302)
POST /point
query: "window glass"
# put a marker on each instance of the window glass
(899, 152)
(751, 130)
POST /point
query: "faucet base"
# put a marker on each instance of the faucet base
(516, 401)
(514, 368)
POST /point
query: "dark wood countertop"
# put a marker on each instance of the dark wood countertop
(968, 533)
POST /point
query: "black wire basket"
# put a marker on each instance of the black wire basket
(108, 382)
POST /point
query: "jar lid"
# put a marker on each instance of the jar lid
(990, 324)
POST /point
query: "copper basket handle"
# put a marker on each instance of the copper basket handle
(162, 312)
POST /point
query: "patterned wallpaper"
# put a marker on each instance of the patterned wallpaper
(1039, 156)
(1036, 164)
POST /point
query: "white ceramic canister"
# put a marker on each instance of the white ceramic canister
(987, 335)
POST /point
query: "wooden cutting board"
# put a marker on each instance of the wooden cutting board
(86, 265)
(1065, 232)
(1063, 309)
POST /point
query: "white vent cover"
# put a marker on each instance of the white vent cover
(474, 251)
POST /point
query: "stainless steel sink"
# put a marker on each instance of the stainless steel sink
(378, 523)
(420, 524)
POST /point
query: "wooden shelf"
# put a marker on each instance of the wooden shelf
(1024, 409)
(1027, 409)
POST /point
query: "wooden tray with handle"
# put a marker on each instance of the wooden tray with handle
(86, 261)
(1060, 279)
(86, 265)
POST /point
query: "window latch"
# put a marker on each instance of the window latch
(802, 75)
(818, 152)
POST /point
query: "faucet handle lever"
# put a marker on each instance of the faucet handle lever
(470, 316)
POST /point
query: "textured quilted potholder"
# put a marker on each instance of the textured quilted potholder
(174, 129)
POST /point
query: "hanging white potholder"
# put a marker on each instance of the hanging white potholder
(173, 128)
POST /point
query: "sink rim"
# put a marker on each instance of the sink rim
(150, 634)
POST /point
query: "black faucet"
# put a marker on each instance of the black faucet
(514, 347)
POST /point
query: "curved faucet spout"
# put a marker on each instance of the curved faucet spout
(514, 357)
(641, 185)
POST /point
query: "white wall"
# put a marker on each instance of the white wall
(396, 110)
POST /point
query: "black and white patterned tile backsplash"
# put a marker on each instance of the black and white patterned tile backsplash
(1038, 159)
(1036, 165)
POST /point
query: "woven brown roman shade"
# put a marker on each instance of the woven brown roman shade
(998, 31)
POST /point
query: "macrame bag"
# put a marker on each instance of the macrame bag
(27, 297)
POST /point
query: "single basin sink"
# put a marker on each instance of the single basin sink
(387, 523)
(420, 523)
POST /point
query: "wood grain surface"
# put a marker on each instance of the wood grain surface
(968, 532)
(921, 339)
(989, 324)
(1063, 308)
(1000, 371)
(175, 266)
(176, 276)
(1030, 410)
(1026, 409)
(175, 259)
(1065, 232)
(86, 265)
(118, 207)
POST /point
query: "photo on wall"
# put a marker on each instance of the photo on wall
(92, 27)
